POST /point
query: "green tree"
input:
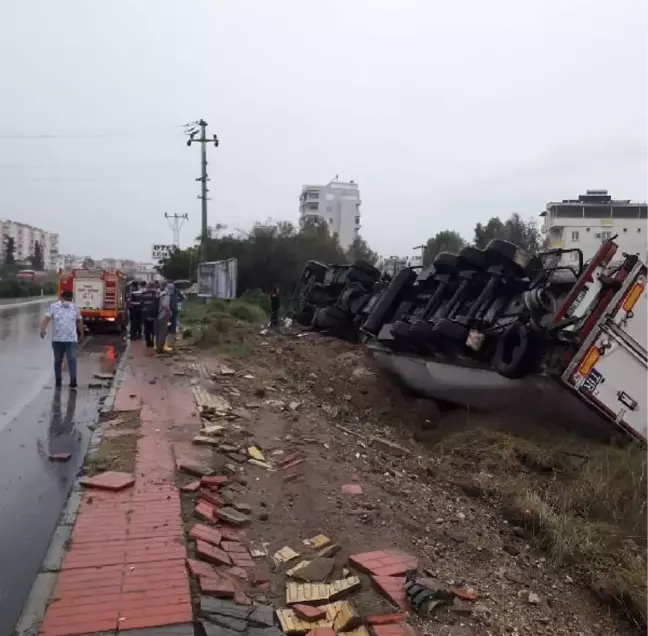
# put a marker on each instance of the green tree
(36, 258)
(515, 229)
(444, 241)
(180, 264)
(360, 250)
(10, 250)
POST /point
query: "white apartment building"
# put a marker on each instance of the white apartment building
(337, 203)
(594, 217)
(25, 237)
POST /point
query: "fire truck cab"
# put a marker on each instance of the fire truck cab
(100, 294)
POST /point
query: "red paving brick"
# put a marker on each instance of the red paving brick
(393, 588)
(352, 489)
(384, 562)
(205, 511)
(230, 533)
(211, 497)
(110, 480)
(308, 613)
(220, 586)
(386, 619)
(191, 487)
(200, 568)
(389, 630)
(127, 566)
(214, 482)
(205, 533)
(234, 546)
(212, 553)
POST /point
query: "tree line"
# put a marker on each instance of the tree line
(274, 253)
(35, 260)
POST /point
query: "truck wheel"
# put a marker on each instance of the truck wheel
(512, 351)
(361, 277)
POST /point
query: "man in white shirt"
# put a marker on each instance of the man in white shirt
(67, 329)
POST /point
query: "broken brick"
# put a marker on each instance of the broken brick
(199, 568)
(214, 482)
(212, 553)
(342, 587)
(352, 489)
(292, 464)
(191, 487)
(205, 511)
(242, 559)
(110, 480)
(345, 617)
(393, 588)
(232, 516)
(241, 598)
(386, 619)
(211, 497)
(284, 555)
(218, 586)
(289, 459)
(330, 550)
(233, 546)
(260, 575)
(191, 467)
(384, 562)
(312, 571)
(232, 534)
(464, 593)
(309, 613)
(202, 532)
(238, 572)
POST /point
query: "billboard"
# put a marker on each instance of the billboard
(161, 252)
(217, 279)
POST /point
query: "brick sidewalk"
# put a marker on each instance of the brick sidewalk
(125, 568)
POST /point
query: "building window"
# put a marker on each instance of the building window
(605, 235)
(357, 220)
(575, 236)
(312, 206)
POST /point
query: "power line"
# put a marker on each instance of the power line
(176, 221)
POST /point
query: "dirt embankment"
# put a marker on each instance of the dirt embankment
(539, 527)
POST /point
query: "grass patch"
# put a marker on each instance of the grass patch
(584, 503)
(227, 326)
(118, 452)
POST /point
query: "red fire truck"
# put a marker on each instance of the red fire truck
(100, 294)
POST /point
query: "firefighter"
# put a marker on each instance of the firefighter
(150, 310)
(135, 311)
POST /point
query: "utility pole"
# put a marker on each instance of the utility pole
(192, 130)
(422, 248)
(176, 221)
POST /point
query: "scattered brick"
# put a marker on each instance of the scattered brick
(309, 613)
(212, 553)
(306, 593)
(292, 464)
(60, 457)
(289, 459)
(312, 571)
(200, 568)
(342, 587)
(384, 562)
(393, 588)
(464, 593)
(330, 550)
(386, 619)
(245, 508)
(284, 555)
(242, 560)
(192, 487)
(241, 598)
(238, 572)
(110, 480)
(232, 534)
(193, 468)
(221, 587)
(214, 482)
(293, 477)
(234, 546)
(346, 617)
(317, 542)
(201, 532)
(232, 516)
(205, 511)
(352, 489)
(211, 497)
(401, 629)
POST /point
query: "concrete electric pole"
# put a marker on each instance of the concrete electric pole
(176, 221)
(192, 130)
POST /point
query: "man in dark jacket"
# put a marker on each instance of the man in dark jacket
(135, 311)
(275, 304)
(150, 308)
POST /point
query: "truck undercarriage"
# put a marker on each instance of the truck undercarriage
(500, 328)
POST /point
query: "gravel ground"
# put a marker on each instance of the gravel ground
(325, 401)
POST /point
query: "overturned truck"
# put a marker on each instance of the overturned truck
(499, 328)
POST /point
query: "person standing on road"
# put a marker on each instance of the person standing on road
(135, 311)
(67, 331)
(150, 311)
(163, 319)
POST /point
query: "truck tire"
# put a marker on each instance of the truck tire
(367, 268)
(512, 352)
(361, 277)
(386, 305)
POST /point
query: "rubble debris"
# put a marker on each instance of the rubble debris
(352, 489)
(388, 446)
(205, 511)
(308, 612)
(393, 589)
(226, 370)
(306, 593)
(389, 562)
(425, 594)
(330, 550)
(533, 598)
(293, 406)
(248, 376)
(201, 532)
(212, 554)
(317, 542)
(245, 508)
(214, 482)
(205, 440)
(213, 429)
(190, 487)
(258, 549)
(255, 453)
(200, 568)
(194, 468)
(232, 516)
(109, 480)
(243, 413)
(312, 571)
(386, 619)
(346, 616)
(210, 496)
(228, 448)
(464, 593)
(342, 587)
(261, 464)
(221, 587)
(285, 555)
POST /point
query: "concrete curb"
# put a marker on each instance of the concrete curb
(34, 609)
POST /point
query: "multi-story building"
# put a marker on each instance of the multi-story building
(594, 217)
(25, 238)
(337, 203)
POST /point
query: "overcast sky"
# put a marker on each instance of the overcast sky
(445, 113)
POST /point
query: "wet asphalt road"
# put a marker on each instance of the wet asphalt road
(35, 421)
